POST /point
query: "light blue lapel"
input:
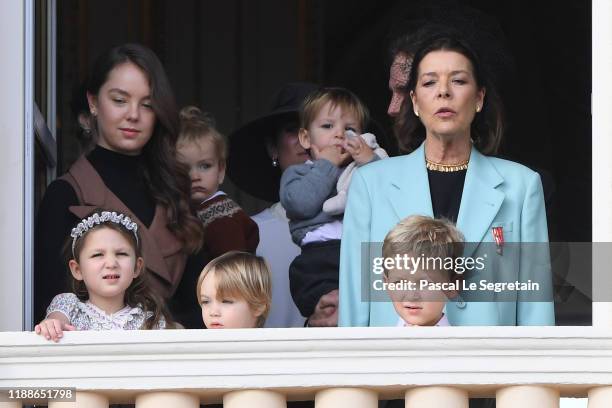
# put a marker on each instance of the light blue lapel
(481, 200)
(409, 193)
(409, 190)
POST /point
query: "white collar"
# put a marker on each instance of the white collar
(441, 323)
(218, 193)
(278, 211)
(118, 319)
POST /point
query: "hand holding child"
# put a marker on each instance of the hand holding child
(53, 326)
(326, 311)
(358, 148)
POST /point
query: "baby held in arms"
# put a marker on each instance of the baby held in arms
(419, 293)
(235, 291)
(314, 195)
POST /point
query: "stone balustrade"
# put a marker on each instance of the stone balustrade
(353, 367)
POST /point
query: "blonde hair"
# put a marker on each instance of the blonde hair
(422, 235)
(341, 97)
(243, 275)
(197, 126)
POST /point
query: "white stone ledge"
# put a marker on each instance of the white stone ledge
(301, 361)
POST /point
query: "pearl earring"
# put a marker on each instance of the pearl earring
(274, 162)
(416, 113)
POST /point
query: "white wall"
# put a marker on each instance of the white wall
(12, 122)
(602, 159)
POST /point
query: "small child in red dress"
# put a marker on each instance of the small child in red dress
(204, 150)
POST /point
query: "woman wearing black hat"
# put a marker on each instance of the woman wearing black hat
(259, 152)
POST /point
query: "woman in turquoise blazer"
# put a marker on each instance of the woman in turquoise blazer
(448, 175)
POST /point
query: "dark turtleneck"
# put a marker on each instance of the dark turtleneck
(122, 175)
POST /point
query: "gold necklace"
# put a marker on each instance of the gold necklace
(431, 165)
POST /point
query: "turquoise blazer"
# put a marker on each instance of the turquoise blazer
(496, 193)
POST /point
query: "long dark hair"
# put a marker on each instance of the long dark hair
(487, 126)
(168, 180)
(138, 294)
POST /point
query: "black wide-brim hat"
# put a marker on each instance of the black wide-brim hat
(249, 166)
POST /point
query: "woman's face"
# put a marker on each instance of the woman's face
(288, 149)
(123, 110)
(446, 96)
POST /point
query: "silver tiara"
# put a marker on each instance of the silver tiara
(97, 219)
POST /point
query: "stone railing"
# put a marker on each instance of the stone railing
(354, 367)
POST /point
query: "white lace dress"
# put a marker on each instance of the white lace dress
(86, 316)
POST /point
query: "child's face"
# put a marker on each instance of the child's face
(226, 313)
(328, 127)
(107, 264)
(416, 307)
(205, 169)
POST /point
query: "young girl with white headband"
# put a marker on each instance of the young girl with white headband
(110, 288)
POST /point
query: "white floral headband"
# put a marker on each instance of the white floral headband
(97, 219)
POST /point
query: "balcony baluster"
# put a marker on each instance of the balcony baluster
(437, 397)
(346, 397)
(527, 396)
(254, 399)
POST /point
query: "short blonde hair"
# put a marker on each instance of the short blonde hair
(243, 275)
(341, 97)
(196, 126)
(419, 234)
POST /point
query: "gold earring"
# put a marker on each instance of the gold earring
(478, 108)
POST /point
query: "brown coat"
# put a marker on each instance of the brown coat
(162, 250)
